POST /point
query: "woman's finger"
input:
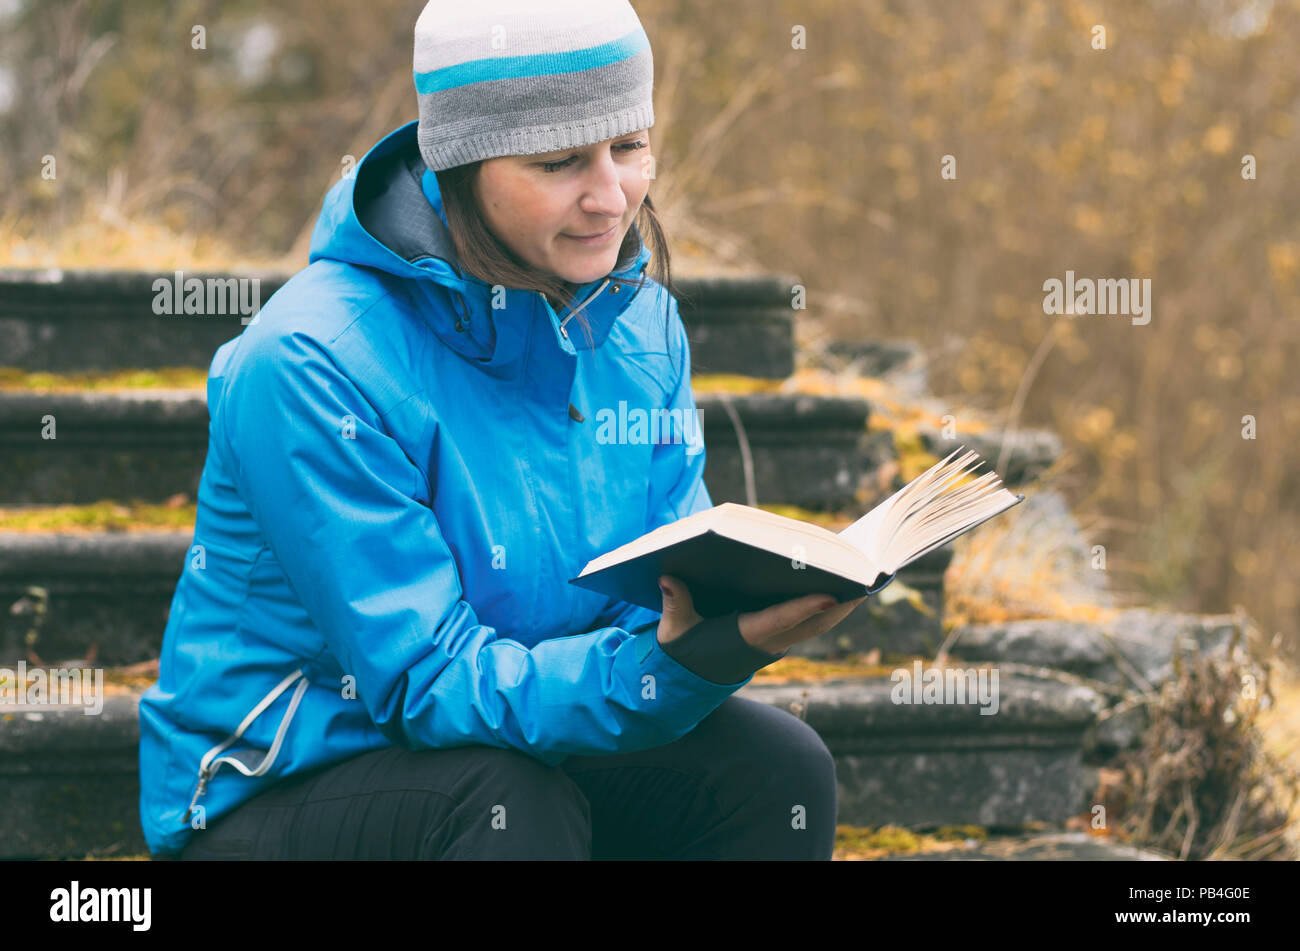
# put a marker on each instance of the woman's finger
(813, 626)
(758, 626)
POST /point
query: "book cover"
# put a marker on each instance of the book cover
(739, 558)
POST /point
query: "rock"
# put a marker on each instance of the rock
(901, 363)
(1118, 728)
(1138, 640)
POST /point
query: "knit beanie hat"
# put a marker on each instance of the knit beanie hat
(523, 77)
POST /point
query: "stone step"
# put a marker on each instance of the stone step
(110, 592)
(150, 444)
(917, 765)
(105, 596)
(146, 443)
(803, 450)
(1132, 648)
(74, 320)
(742, 325)
(69, 782)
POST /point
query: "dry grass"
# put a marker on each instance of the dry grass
(1205, 783)
(1279, 729)
(795, 669)
(1024, 565)
(133, 678)
(102, 237)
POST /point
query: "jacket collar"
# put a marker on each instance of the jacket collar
(389, 215)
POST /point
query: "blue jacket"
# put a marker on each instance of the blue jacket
(394, 498)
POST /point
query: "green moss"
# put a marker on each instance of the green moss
(961, 833)
(891, 839)
(860, 842)
(142, 857)
(100, 516)
(174, 378)
(733, 383)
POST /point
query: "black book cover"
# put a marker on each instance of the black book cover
(723, 575)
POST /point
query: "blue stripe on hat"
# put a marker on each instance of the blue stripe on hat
(539, 64)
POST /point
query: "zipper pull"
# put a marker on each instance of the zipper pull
(204, 776)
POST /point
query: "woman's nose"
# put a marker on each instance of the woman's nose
(603, 194)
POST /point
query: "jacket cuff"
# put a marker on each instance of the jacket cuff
(715, 650)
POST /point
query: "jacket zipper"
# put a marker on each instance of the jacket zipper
(209, 766)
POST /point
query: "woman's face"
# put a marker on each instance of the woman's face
(538, 205)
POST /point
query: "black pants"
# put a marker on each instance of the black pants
(749, 782)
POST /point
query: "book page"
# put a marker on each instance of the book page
(965, 527)
(865, 533)
(930, 511)
(871, 533)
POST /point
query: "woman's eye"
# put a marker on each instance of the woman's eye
(624, 146)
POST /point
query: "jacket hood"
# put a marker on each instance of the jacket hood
(388, 215)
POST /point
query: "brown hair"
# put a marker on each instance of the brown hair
(483, 256)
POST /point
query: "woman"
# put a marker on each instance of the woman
(374, 631)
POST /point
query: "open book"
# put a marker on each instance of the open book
(739, 558)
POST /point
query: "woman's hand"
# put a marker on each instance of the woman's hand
(773, 629)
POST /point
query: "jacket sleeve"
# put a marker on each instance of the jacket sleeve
(335, 498)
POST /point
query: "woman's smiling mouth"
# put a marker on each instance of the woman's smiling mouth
(600, 238)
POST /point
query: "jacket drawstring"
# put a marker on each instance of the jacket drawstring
(463, 310)
(462, 306)
(573, 313)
